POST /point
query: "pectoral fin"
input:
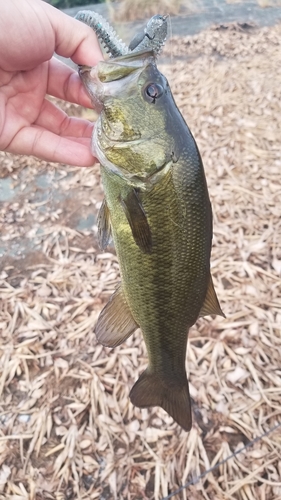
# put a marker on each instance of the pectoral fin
(211, 304)
(138, 222)
(115, 323)
(104, 227)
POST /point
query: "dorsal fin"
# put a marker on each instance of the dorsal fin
(211, 304)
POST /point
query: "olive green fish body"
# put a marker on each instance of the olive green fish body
(165, 289)
(158, 209)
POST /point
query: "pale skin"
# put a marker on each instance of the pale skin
(30, 32)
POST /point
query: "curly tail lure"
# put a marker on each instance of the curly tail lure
(152, 37)
(105, 33)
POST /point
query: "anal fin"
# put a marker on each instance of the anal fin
(104, 227)
(115, 323)
(211, 303)
(138, 221)
(151, 390)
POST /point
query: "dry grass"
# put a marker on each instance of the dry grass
(68, 430)
(130, 10)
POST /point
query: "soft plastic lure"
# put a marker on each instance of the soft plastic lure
(152, 37)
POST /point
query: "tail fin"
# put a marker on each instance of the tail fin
(151, 390)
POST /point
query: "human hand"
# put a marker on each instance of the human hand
(30, 32)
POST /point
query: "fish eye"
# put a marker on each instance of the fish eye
(153, 91)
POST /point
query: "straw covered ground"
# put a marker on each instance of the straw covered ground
(68, 430)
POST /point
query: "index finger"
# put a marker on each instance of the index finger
(73, 38)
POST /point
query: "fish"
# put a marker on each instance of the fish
(158, 212)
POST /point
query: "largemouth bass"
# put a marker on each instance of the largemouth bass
(158, 210)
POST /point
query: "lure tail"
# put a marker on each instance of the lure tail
(105, 33)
